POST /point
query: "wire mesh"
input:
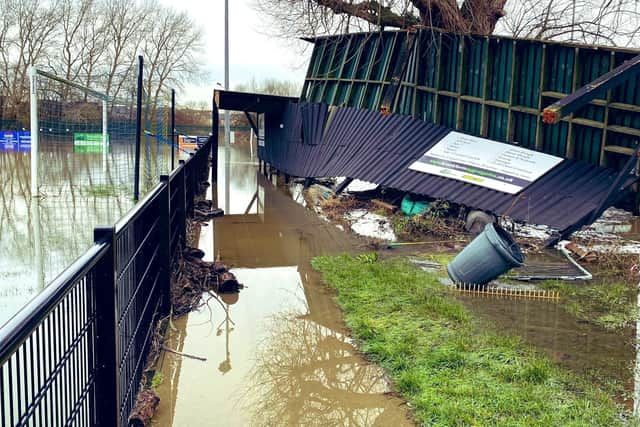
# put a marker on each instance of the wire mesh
(76, 152)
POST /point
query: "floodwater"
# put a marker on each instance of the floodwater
(278, 352)
(40, 237)
(579, 346)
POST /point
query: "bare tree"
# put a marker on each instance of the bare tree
(72, 17)
(126, 23)
(170, 48)
(94, 44)
(25, 43)
(271, 87)
(612, 22)
(313, 17)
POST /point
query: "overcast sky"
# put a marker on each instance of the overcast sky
(251, 53)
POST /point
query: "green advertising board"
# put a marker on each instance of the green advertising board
(84, 142)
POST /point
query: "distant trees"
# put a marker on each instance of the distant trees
(612, 22)
(271, 86)
(95, 43)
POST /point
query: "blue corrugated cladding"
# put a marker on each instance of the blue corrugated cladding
(366, 145)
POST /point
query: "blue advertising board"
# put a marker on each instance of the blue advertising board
(11, 140)
(8, 140)
(24, 141)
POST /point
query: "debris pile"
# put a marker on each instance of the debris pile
(203, 210)
(145, 407)
(192, 277)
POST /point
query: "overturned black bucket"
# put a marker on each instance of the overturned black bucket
(492, 253)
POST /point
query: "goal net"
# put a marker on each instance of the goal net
(85, 140)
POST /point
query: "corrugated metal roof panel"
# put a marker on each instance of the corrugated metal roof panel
(366, 145)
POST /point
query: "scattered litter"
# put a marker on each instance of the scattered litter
(369, 224)
(525, 231)
(583, 254)
(608, 227)
(357, 185)
(627, 248)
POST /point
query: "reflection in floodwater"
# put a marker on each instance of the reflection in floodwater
(269, 363)
(307, 374)
(279, 355)
(40, 237)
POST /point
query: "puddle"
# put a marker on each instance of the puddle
(282, 355)
(579, 346)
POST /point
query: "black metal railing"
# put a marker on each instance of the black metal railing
(76, 353)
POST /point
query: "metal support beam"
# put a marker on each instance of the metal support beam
(581, 97)
(136, 184)
(343, 185)
(400, 69)
(252, 123)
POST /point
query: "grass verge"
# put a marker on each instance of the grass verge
(451, 369)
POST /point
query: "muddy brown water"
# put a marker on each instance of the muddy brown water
(278, 353)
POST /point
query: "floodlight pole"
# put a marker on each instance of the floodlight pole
(227, 116)
(33, 89)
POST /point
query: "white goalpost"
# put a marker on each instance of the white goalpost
(72, 110)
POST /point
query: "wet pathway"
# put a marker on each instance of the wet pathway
(277, 353)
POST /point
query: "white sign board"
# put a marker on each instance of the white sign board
(486, 163)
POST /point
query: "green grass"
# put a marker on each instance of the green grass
(450, 368)
(157, 380)
(609, 304)
(103, 190)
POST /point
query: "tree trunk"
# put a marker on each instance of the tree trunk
(482, 15)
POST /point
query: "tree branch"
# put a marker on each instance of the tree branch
(370, 11)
